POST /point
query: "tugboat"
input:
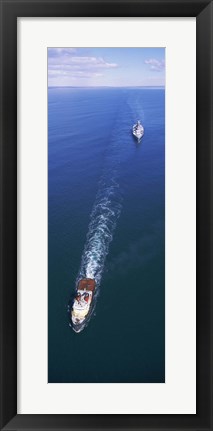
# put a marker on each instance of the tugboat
(82, 303)
(138, 131)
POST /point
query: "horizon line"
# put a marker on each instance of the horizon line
(106, 86)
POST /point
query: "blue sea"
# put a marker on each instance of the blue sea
(106, 219)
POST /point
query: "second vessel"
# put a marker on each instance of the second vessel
(138, 130)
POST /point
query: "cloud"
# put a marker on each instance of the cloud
(55, 52)
(75, 74)
(66, 63)
(67, 60)
(155, 65)
(90, 62)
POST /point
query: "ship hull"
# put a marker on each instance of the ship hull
(138, 137)
(78, 327)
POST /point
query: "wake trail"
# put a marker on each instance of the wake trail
(108, 202)
(103, 219)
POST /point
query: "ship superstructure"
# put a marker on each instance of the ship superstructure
(82, 303)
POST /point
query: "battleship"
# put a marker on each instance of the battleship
(138, 131)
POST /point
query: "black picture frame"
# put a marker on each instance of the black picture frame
(10, 11)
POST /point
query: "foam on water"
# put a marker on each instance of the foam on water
(103, 218)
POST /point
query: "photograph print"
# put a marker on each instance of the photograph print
(106, 215)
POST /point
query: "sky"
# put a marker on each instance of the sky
(114, 67)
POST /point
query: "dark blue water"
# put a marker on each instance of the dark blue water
(107, 219)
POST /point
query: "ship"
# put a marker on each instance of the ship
(82, 303)
(138, 131)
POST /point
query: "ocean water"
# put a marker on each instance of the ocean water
(106, 219)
